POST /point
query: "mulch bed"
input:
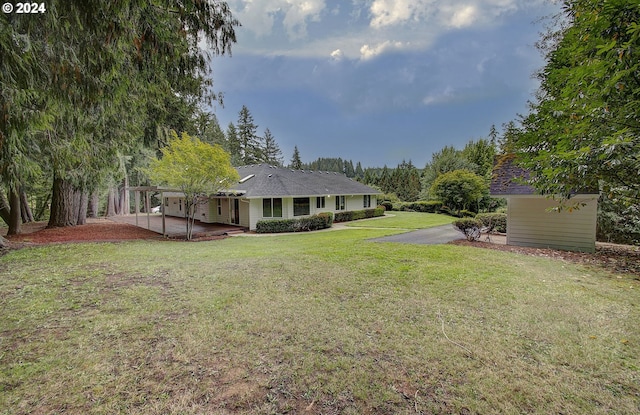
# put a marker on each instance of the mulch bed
(618, 258)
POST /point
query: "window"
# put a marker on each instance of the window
(320, 202)
(272, 208)
(301, 206)
(367, 201)
(219, 207)
(340, 203)
(180, 204)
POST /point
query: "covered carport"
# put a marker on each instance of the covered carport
(168, 226)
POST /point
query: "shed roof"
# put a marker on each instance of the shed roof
(263, 180)
(509, 179)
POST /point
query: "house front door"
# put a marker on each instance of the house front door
(235, 212)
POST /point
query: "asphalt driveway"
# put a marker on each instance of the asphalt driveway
(430, 236)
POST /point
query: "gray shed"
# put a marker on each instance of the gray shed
(532, 219)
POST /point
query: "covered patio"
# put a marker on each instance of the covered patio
(176, 227)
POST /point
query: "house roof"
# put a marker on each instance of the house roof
(509, 179)
(262, 180)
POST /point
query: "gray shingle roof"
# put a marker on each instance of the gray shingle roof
(509, 178)
(270, 181)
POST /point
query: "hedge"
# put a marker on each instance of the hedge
(311, 223)
(431, 206)
(495, 221)
(358, 214)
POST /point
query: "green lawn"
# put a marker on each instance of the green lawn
(405, 220)
(323, 322)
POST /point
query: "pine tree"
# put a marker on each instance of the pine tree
(250, 151)
(232, 145)
(296, 163)
(271, 151)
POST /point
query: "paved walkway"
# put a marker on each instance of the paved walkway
(430, 236)
(176, 227)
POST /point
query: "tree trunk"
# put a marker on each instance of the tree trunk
(82, 198)
(62, 204)
(93, 205)
(15, 218)
(5, 210)
(3, 243)
(125, 200)
(111, 203)
(25, 209)
(41, 206)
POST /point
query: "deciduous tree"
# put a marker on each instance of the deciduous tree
(196, 168)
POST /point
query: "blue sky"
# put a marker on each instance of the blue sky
(380, 81)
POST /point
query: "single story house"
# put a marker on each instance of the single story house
(268, 192)
(531, 218)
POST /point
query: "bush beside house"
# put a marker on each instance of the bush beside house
(312, 223)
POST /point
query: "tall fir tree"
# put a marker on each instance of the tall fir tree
(271, 152)
(250, 148)
(296, 162)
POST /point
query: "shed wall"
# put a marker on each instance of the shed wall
(531, 223)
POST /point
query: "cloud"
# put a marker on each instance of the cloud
(391, 12)
(463, 16)
(446, 95)
(370, 52)
(261, 16)
(337, 55)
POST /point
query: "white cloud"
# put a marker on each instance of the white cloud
(463, 17)
(298, 12)
(369, 52)
(360, 29)
(261, 15)
(447, 95)
(390, 12)
(337, 55)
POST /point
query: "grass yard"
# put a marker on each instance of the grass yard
(404, 220)
(318, 323)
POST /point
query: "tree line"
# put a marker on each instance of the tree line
(85, 99)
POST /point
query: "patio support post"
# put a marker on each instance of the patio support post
(137, 202)
(164, 226)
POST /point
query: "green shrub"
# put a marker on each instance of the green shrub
(358, 214)
(311, 223)
(431, 206)
(470, 227)
(466, 214)
(387, 205)
(494, 221)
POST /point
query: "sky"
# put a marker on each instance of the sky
(380, 81)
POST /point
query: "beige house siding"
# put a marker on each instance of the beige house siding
(251, 209)
(531, 222)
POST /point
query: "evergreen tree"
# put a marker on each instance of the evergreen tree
(359, 172)
(250, 149)
(271, 151)
(232, 145)
(296, 163)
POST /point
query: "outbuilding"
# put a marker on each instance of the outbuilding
(535, 220)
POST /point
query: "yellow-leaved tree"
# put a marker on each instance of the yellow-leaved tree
(196, 168)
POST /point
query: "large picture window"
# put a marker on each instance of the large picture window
(340, 203)
(272, 208)
(301, 206)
